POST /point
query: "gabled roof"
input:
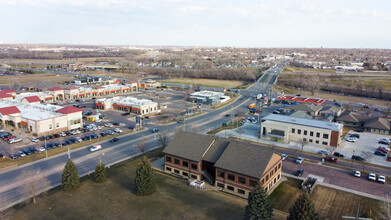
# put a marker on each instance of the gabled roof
(9, 110)
(32, 99)
(377, 123)
(305, 107)
(5, 95)
(55, 89)
(189, 146)
(248, 159)
(299, 114)
(214, 152)
(69, 110)
(7, 91)
(354, 117)
(331, 108)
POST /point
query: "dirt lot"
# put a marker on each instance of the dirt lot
(229, 84)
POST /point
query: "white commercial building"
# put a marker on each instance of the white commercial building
(285, 128)
(128, 104)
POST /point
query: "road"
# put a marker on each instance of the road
(12, 182)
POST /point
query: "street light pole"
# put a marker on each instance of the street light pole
(46, 149)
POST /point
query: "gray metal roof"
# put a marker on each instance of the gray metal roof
(305, 122)
(247, 159)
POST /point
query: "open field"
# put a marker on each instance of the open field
(329, 203)
(32, 78)
(297, 69)
(56, 61)
(205, 82)
(324, 95)
(366, 83)
(115, 199)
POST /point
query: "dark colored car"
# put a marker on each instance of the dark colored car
(93, 136)
(379, 153)
(13, 156)
(354, 135)
(116, 123)
(27, 151)
(103, 133)
(126, 114)
(359, 130)
(330, 159)
(1, 155)
(358, 158)
(114, 140)
(384, 142)
(337, 154)
(299, 172)
(131, 127)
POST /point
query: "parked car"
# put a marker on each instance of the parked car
(154, 130)
(15, 140)
(372, 177)
(383, 149)
(380, 153)
(41, 149)
(125, 114)
(180, 121)
(95, 147)
(389, 158)
(21, 153)
(6, 138)
(357, 173)
(351, 139)
(384, 141)
(103, 133)
(358, 158)
(108, 125)
(355, 135)
(131, 127)
(118, 130)
(13, 156)
(110, 132)
(337, 154)
(73, 132)
(114, 140)
(323, 152)
(299, 172)
(381, 179)
(34, 139)
(359, 130)
(284, 156)
(62, 134)
(299, 160)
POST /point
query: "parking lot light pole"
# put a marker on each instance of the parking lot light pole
(100, 158)
(46, 149)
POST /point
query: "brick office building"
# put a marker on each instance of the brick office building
(234, 166)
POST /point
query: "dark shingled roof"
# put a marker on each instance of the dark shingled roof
(244, 158)
(216, 150)
(189, 146)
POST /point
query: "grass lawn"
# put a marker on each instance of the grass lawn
(115, 199)
(229, 84)
(329, 203)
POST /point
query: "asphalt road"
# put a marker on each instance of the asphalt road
(12, 181)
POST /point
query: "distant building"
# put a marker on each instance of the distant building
(310, 109)
(369, 123)
(128, 104)
(208, 97)
(293, 99)
(235, 167)
(285, 129)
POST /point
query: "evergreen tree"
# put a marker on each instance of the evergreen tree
(302, 209)
(100, 173)
(145, 178)
(259, 205)
(70, 176)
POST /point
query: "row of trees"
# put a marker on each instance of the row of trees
(259, 207)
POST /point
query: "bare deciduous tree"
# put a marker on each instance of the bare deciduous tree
(163, 139)
(302, 143)
(141, 145)
(330, 150)
(33, 185)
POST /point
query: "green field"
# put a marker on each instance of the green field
(229, 84)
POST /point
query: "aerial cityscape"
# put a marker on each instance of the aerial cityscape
(195, 110)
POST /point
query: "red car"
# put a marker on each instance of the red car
(389, 158)
(83, 106)
(9, 137)
(330, 159)
(383, 150)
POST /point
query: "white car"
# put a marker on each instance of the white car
(117, 130)
(284, 156)
(41, 149)
(77, 131)
(14, 140)
(34, 139)
(95, 147)
(108, 125)
(62, 134)
(78, 139)
(99, 127)
(73, 132)
(372, 177)
(351, 139)
(381, 179)
(299, 160)
(357, 173)
(21, 153)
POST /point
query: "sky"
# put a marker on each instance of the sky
(245, 23)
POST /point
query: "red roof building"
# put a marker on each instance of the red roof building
(55, 89)
(5, 95)
(32, 99)
(301, 99)
(69, 110)
(9, 110)
(7, 91)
